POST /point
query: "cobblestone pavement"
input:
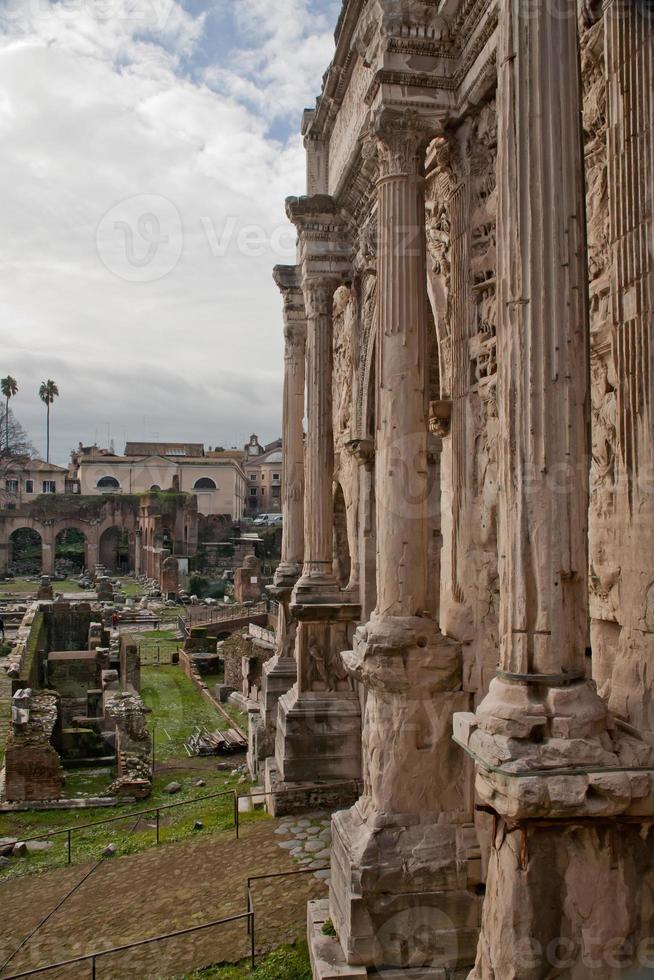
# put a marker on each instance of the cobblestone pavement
(308, 841)
(171, 887)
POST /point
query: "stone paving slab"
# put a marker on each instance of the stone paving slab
(308, 841)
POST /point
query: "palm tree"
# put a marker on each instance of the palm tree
(9, 387)
(47, 393)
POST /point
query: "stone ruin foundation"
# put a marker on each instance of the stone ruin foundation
(74, 699)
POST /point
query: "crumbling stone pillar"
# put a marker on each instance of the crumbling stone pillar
(48, 550)
(318, 737)
(541, 714)
(402, 887)
(92, 549)
(318, 723)
(280, 673)
(138, 544)
(4, 558)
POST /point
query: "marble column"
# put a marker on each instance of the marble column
(280, 673)
(4, 557)
(91, 550)
(138, 545)
(317, 582)
(318, 738)
(541, 713)
(402, 890)
(47, 550)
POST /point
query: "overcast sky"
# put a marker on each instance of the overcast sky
(147, 148)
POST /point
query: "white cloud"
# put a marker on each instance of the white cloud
(99, 106)
(289, 46)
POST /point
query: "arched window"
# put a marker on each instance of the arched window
(108, 483)
(155, 488)
(205, 484)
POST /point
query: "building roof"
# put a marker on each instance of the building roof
(35, 466)
(273, 454)
(195, 449)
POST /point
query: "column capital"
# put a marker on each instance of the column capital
(399, 139)
(319, 294)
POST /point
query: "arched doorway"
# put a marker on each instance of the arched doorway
(70, 551)
(342, 557)
(114, 549)
(25, 551)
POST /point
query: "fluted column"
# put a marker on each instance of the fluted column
(317, 574)
(318, 734)
(398, 857)
(138, 545)
(542, 345)
(295, 336)
(402, 473)
(551, 767)
(280, 672)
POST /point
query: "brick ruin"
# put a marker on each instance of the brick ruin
(467, 569)
(75, 700)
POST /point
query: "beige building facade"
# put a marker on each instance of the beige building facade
(24, 480)
(466, 630)
(217, 479)
(264, 474)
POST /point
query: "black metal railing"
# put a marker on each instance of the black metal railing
(249, 916)
(131, 815)
(92, 958)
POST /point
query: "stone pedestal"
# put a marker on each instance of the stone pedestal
(405, 859)
(318, 735)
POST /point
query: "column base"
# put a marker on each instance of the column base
(571, 901)
(318, 738)
(566, 765)
(286, 798)
(403, 893)
(279, 676)
(286, 575)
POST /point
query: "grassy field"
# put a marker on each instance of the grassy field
(177, 708)
(284, 963)
(154, 644)
(22, 587)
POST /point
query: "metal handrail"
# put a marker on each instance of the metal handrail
(218, 614)
(92, 957)
(249, 914)
(69, 831)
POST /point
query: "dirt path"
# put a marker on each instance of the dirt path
(171, 887)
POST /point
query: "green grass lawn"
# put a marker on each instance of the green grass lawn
(177, 708)
(284, 963)
(21, 587)
(131, 588)
(157, 643)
